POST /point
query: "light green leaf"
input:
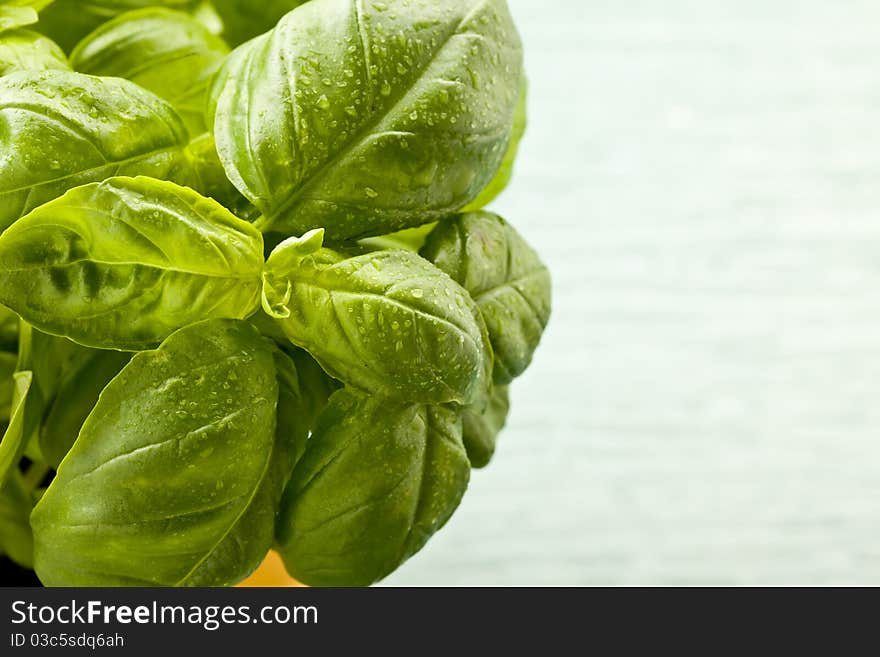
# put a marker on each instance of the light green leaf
(13, 443)
(7, 385)
(68, 21)
(171, 481)
(23, 50)
(386, 322)
(123, 263)
(166, 52)
(365, 120)
(408, 239)
(378, 479)
(18, 13)
(68, 129)
(210, 179)
(505, 277)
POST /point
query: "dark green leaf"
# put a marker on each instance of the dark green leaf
(505, 277)
(77, 394)
(171, 481)
(386, 322)
(245, 19)
(505, 173)
(365, 119)
(16, 538)
(481, 425)
(378, 479)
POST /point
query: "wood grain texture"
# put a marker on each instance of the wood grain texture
(702, 178)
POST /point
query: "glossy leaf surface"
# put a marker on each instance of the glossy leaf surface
(170, 481)
(377, 481)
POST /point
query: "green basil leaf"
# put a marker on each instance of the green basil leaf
(123, 263)
(23, 50)
(386, 322)
(316, 386)
(377, 480)
(17, 13)
(68, 21)
(16, 537)
(68, 129)
(47, 358)
(245, 19)
(166, 52)
(209, 178)
(505, 277)
(171, 480)
(8, 330)
(295, 417)
(77, 395)
(365, 120)
(505, 173)
(13, 443)
(7, 384)
(408, 239)
(481, 425)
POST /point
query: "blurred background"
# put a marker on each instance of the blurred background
(701, 177)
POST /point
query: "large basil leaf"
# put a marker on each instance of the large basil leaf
(505, 277)
(171, 480)
(245, 19)
(17, 13)
(377, 480)
(505, 173)
(481, 425)
(365, 118)
(16, 537)
(68, 21)
(386, 322)
(14, 439)
(23, 50)
(123, 263)
(77, 394)
(166, 52)
(68, 129)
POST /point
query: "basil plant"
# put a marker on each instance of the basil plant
(251, 297)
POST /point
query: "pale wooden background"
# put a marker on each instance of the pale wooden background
(702, 177)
